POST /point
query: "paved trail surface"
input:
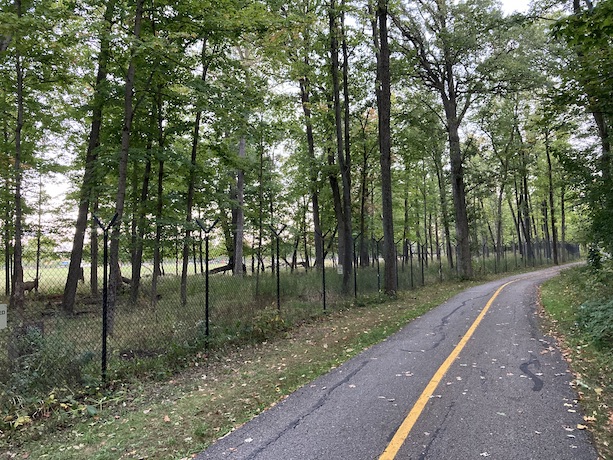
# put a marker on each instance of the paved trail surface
(506, 395)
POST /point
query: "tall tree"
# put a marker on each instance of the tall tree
(384, 102)
(98, 100)
(32, 78)
(305, 98)
(551, 193)
(587, 32)
(128, 118)
(498, 118)
(296, 49)
(344, 160)
(447, 42)
(206, 60)
(17, 297)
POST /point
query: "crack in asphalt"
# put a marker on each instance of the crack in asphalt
(298, 420)
(537, 382)
(439, 430)
(438, 329)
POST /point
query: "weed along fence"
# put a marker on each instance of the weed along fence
(154, 322)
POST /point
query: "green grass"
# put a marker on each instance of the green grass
(590, 362)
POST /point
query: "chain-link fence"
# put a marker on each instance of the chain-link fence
(175, 309)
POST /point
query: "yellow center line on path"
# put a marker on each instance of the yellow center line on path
(407, 425)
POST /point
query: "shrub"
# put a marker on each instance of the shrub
(269, 322)
(597, 282)
(596, 319)
(40, 363)
(594, 257)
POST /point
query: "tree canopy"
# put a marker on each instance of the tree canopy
(444, 127)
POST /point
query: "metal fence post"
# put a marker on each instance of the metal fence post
(323, 262)
(440, 265)
(411, 262)
(105, 303)
(378, 266)
(207, 231)
(355, 267)
(323, 269)
(277, 235)
(396, 256)
(422, 252)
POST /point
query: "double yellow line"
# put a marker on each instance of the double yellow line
(407, 425)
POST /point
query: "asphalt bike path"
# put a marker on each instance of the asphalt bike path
(471, 379)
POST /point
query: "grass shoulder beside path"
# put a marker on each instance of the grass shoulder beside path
(591, 365)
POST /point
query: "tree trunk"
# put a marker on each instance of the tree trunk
(437, 239)
(99, 99)
(230, 227)
(465, 268)
(517, 224)
(39, 212)
(440, 177)
(345, 236)
(383, 89)
(191, 190)
(140, 220)
(240, 212)
(525, 209)
(546, 234)
(134, 230)
(420, 246)
(405, 228)
(563, 220)
(306, 108)
(499, 246)
(189, 208)
(425, 203)
(157, 256)
(17, 297)
(337, 203)
(606, 159)
(346, 164)
(538, 249)
(364, 262)
(8, 218)
(8, 249)
(260, 217)
(93, 233)
(554, 231)
(115, 272)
